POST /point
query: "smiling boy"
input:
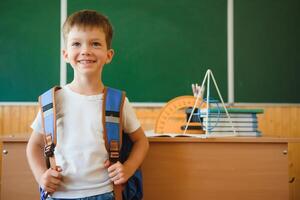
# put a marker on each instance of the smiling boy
(84, 171)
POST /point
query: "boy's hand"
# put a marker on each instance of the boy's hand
(51, 180)
(118, 172)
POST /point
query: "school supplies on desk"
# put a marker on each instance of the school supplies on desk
(196, 116)
(242, 120)
(172, 116)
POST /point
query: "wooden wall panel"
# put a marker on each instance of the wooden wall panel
(1, 120)
(277, 121)
(280, 121)
(16, 120)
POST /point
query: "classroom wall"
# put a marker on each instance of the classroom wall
(277, 121)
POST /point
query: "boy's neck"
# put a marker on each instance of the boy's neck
(87, 87)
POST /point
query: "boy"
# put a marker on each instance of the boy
(84, 170)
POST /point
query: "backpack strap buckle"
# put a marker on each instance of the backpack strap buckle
(114, 151)
(49, 146)
(49, 150)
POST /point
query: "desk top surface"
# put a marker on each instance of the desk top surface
(227, 139)
(191, 139)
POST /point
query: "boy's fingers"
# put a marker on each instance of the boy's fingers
(106, 164)
(119, 180)
(56, 181)
(58, 168)
(113, 167)
(49, 190)
(116, 171)
(52, 186)
(113, 173)
(50, 180)
(56, 174)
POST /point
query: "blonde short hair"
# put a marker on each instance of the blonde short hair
(86, 19)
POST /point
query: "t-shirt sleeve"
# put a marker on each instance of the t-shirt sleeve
(36, 125)
(130, 121)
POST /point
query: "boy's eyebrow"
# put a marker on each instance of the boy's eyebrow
(93, 39)
(96, 39)
(72, 39)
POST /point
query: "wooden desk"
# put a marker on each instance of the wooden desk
(17, 181)
(182, 168)
(220, 168)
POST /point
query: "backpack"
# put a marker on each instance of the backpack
(118, 144)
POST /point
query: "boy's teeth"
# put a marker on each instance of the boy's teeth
(85, 61)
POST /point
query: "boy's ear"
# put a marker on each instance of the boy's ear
(65, 55)
(110, 55)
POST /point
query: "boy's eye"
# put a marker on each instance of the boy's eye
(75, 44)
(96, 44)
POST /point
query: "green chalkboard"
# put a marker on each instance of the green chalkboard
(162, 47)
(267, 51)
(30, 48)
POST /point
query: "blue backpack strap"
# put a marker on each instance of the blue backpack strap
(112, 128)
(112, 121)
(48, 113)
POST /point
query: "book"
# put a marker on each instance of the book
(235, 124)
(239, 133)
(227, 120)
(230, 128)
(232, 110)
(224, 115)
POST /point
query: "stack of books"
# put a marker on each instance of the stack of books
(243, 122)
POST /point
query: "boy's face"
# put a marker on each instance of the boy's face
(86, 50)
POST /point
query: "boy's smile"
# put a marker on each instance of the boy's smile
(86, 62)
(86, 50)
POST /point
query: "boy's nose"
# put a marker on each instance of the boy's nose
(85, 53)
(85, 50)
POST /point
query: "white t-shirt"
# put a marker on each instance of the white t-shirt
(80, 150)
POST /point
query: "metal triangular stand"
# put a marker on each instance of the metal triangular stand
(209, 75)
